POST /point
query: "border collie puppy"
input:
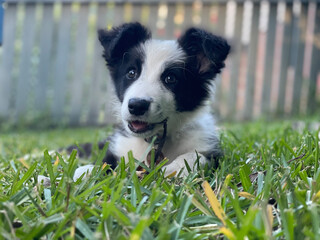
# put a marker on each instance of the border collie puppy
(162, 88)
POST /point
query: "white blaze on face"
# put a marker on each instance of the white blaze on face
(158, 54)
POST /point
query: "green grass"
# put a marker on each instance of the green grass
(267, 186)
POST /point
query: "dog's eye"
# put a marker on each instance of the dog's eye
(132, 74)
(170, 79)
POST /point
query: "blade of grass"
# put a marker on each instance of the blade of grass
(228, 233)
(25, 178)
(47, 158)
(147, 179)
(61, 161)
(157, 214)
(200, 206)
(88, 191)
(123, 172)
(134, 175)
(215, 204)
(187, 166)
(246, 195)
(72, 164)
(138, 230)
(285, 144)
(226, 183)
(244, 177)
(20, 215)
(102, 155)
(317, 150)
(53, 218)
(181, 216)
(24, 163)
(84, 229)
(47, 197)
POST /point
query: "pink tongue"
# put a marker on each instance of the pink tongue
(139, 125)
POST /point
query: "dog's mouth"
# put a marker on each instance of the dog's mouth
(140, 126)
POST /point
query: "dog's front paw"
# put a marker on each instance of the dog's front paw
(86, 169)
(45, 181)
(178, 164)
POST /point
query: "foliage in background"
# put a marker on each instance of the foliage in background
(267, 185)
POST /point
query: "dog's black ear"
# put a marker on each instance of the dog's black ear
(208, 51)
(120, 39)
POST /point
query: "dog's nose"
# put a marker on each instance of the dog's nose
(138, 106)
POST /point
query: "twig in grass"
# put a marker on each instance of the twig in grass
(68, 195)
(162, 141)
(297, 158)
(35, 203)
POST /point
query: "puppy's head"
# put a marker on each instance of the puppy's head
(155, 79)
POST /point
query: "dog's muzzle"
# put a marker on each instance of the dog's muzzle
(138, 106)
(140, 126)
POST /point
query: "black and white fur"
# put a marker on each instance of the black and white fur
(163, 80)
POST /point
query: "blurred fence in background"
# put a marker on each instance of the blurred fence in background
(51, 70)
(1, 21)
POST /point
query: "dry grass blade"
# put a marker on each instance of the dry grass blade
(215, 204)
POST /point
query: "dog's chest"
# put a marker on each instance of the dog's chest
(140, 148)
(174, 146)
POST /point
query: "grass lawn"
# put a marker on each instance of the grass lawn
(267, 186)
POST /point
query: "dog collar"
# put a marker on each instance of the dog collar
(160, 140)
(156, 141)
(158, 136)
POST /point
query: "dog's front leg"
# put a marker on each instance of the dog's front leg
(179, 163)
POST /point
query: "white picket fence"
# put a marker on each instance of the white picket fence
(51, 70)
